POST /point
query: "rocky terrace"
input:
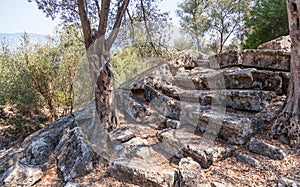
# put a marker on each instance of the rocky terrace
(197, 120)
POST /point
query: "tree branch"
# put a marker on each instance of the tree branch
(146, 26)
(132, 26)
(98, 7)
(104, 12)
(85, 23)
(236, 23)
(121, 11)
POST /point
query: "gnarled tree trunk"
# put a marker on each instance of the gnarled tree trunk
(98, 47)
(103, 83)
(287, 123)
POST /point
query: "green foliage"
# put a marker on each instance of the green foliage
(183, 43)
(267, 20)
(194, 19)
(220, 19)
(135, 59)
(144, 25)
(37, 77)
(227, 19)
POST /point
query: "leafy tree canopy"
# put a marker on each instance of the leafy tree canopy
(220, 19)
(267, 20)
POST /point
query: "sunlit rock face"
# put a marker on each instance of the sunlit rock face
(282, 43)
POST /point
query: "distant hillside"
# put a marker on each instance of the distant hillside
(14, 39)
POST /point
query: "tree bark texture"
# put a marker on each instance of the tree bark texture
(104, 95)
(287, 123)
(98, 47)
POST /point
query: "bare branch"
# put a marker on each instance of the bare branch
(146, 26)
(85, 23)
(98, 7)
(121, 11)
(104, 12)
(132, 26)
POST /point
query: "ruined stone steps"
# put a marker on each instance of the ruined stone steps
(193, 105)
(169, 107)
(234, 126)
(230, 78)
(251, 100)
(231, 99)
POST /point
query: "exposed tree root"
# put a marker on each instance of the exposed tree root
(287, 125)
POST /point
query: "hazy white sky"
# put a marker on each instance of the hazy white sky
(19, 15)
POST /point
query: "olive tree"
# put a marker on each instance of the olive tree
(100, 22)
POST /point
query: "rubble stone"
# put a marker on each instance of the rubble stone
(265, 149)
(282, 43)
(190, 173)
(246, 159)
(21, 175)
(143, 172)
(75, 157)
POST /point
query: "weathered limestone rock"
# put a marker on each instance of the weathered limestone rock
(200, 149)
(231, 78)
(136, 147)
(72, 184)
(122, 134)
(174, 124)
(75, 157)
(206, 155)
(144, 172)
(285, 76)
(288, 182)
(21, 174)
(217, 184)
(265, 149)
(137, 112)
(39, 147)
(134, 109)
(251, 78)
(256, 58)
(252, 100)
(226, 59)
(85, 115)
(266, 59)
(190, 174)
(246, 159)
(169, 107)
(8, 158)
(233, 127)
(190, 59)
(283, 43)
